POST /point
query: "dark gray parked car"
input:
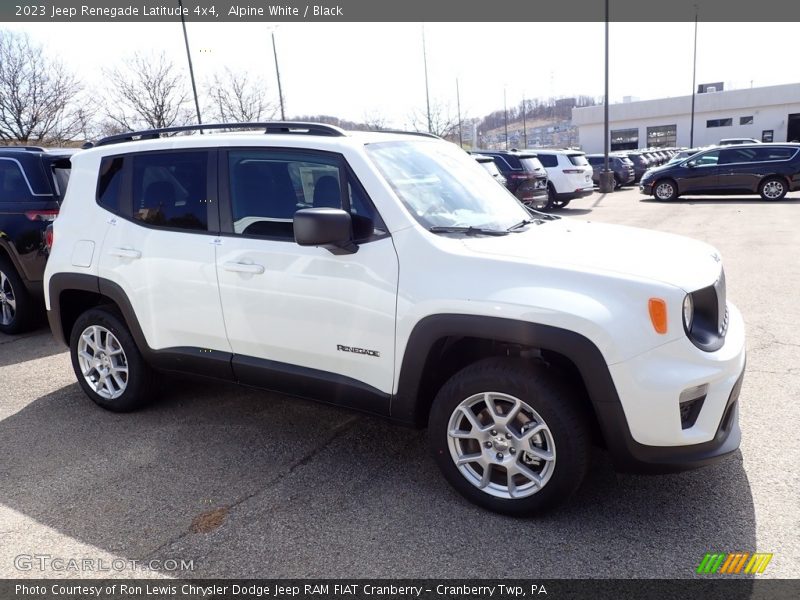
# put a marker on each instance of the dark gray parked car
(624, 173)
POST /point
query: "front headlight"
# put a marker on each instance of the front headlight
(688, 312)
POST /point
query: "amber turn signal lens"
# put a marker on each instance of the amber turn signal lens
(658, 314)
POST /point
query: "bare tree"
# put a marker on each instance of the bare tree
(374, 121)
(442, 123)
(236, 98)
(37, 94)
(147, 92)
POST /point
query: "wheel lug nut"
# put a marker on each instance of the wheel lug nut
(488, 444)
(512, 450)
(493, 432)
(499, 456)
(508, 436)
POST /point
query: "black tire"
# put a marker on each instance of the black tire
(660, 193)
(141, 382)
(617, 182)
(18, 309)
(550, 397)
(551, 197)
(773, 188)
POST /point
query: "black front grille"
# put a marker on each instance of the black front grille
(690, 410)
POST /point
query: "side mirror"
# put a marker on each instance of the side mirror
(331, 228)
(690, 164)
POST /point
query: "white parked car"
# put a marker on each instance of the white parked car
(569, 175)
(387, 273)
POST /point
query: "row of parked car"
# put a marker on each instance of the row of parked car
(544, 179)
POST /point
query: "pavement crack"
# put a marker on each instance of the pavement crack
(20, 337)
(335, 433)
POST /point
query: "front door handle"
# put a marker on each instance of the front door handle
(236, 267)
(125, 253)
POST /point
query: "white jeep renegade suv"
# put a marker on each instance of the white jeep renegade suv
(389, 273)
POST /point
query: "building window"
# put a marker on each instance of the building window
(663, 136)
(624, 139)
(746, 120)
(719, 123)
(767, 135)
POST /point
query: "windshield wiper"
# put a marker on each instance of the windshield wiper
(542, 216)
(470, 230)
(524, 223)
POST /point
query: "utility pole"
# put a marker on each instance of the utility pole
(278, 75)
(458, 106)
(505, 115)
(694, 80)
(524, 125)
(606, 177)
(191, 68)
(427, 93)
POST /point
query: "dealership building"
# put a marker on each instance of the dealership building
(768, 114)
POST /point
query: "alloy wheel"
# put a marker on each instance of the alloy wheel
(8, 300)
(103, 362)
(773, 189)
(501, 445)
(664, 191)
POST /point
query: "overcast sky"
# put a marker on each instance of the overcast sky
(353, 69)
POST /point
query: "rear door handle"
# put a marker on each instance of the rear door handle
(236, 267)
(125, 253)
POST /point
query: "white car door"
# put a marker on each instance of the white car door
(158, 248)
(301, 319)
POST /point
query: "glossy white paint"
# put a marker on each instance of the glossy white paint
(296, 305)
(307, 302)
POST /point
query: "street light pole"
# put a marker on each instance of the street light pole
(427, 92)
(191, 68)
(278, 75)
(524, 125)
(606, 177)
(458, 106)
(505, 115)
(694, 80)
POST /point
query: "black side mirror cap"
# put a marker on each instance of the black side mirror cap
(331, 228)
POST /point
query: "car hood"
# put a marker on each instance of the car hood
(642, 253)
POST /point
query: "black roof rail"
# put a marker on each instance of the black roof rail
(23, 148)
(404, 132)
(298, 127)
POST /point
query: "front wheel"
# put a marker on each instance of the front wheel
(509, 436)
(665, 190)
(773, 188)
(107, 363)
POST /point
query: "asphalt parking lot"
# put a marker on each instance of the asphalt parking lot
(244, 483)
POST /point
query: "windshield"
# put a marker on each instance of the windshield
(531, 163)
(491, 167)
(441, 185)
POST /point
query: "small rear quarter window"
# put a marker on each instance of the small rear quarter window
(109, 183)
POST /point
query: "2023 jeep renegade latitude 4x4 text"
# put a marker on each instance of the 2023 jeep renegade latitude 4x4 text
(389, 273)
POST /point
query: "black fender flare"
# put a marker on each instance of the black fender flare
(408, 407)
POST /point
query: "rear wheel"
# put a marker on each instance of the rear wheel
(17, 308)
(509, 436)
(107, 363)
(665, 190)
(773, 188)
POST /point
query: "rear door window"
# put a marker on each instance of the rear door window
(548, 160)
(13, 186)
(170, 189)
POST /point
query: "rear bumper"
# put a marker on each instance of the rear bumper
(534, 198)
(576, 194)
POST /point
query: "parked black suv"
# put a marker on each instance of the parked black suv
(525, 176)
(640, 164)
(487, 162)
(622, 166)
(32, 183)
(770, 170)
